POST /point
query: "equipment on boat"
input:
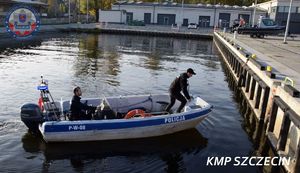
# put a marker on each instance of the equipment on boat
(137, 113)
(47, 103)
(31, 116)
(46, 109)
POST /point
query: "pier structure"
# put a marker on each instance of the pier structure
(267, 73)
(149, 30)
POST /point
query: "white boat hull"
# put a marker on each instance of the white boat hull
(55, 130)
(115, 134)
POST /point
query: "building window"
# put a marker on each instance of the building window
(281, 9)
(166, 21)
(185, 22)
(204, 21)
(129, 17)
(285, 9)
(273, 10)
(147, 18)
(224, 20)
(293, 10)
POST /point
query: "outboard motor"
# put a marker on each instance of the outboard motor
(31, 116)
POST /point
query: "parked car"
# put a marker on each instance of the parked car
(265, 26)
(192, 26)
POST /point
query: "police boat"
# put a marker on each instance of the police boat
(120, 117)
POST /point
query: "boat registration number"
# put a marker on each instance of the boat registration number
(76, 127)
(174, 119)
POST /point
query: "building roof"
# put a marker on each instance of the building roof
(31, 2)
(280, 2)
(283, 0)
(36, 2)
(179, 5)
(5, 1)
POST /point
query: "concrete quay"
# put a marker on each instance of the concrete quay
(267, 73)
(283, 58)
(151, 30)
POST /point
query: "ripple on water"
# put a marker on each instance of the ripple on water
(10, 126)
(106, 65)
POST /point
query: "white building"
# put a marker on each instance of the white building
(167, 13)
(112, 16)
(278, 11)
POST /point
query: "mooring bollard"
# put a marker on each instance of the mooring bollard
(234, 34)
(224, 30)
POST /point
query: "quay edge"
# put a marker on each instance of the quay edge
(275, 108)
(151, 30)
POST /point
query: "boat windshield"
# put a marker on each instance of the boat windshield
(269, 22)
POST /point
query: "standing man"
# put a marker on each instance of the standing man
(180, 84)
(78, 110)
(242, 22)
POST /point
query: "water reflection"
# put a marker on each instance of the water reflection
(105, 58)
(17, 44)
(152, 62)
(108, 53)
(97, 59)
(106, 65)
(174, 162)
(100, 55)
(166, 149)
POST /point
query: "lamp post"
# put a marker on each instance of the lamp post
(69, 12)
(253, 18)
(78, 10)
(182, 2)
(87, 11)
(288, 23)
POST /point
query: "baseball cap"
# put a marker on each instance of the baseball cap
(191, 71)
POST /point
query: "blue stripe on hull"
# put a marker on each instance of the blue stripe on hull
(119, 125)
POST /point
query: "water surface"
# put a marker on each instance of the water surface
(112, 65)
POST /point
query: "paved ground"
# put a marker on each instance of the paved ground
(283, 58)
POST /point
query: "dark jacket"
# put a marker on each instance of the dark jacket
(77, 109)
(180, 84)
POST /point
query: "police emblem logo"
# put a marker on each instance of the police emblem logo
(22, 17)
(22, 22)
